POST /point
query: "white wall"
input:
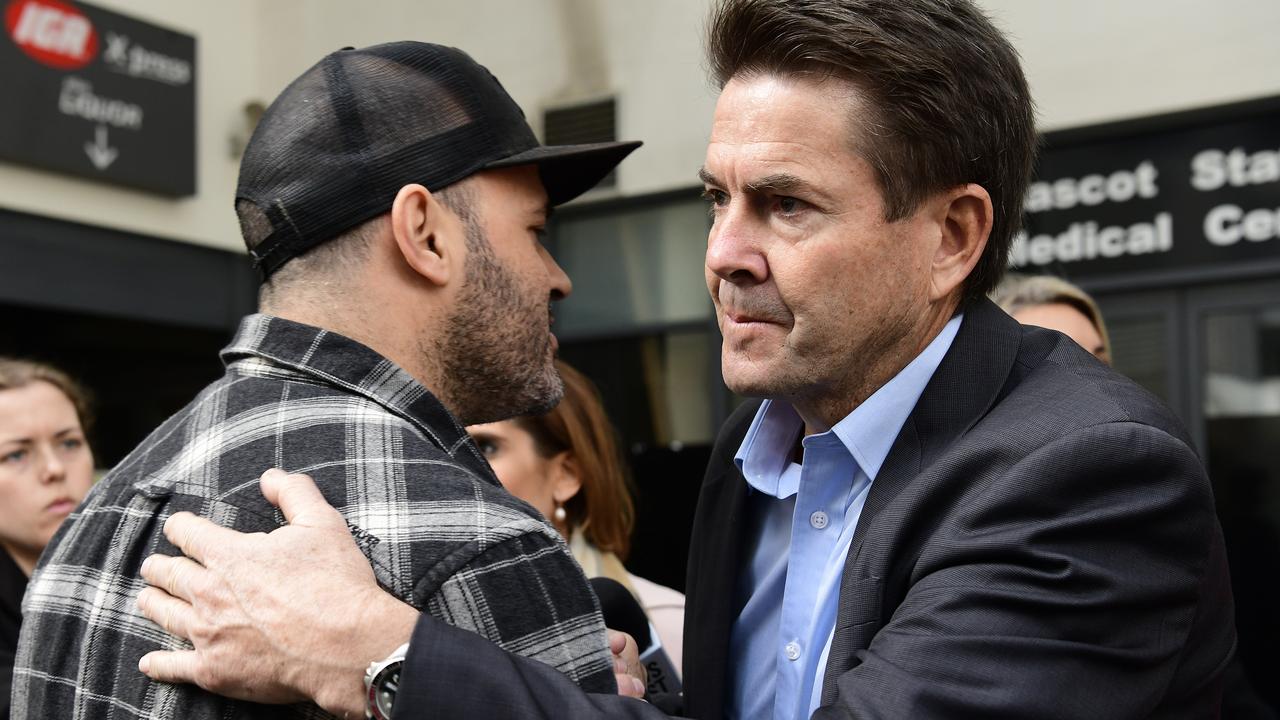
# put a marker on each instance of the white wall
(546, 53)
(1091, 61)
(1088, 61)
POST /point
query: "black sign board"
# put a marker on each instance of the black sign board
(1183, 191)
(99, 95)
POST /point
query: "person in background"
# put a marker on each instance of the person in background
(46, 469)
(565, 463)
(1051, 302)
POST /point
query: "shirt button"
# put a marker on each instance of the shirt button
(792, 650)
(819, 520)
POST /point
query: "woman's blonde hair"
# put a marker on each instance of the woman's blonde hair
(602, 510)
(1017, 292)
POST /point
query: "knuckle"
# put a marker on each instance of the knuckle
(205, 678)
(296, 483)
(176, 578)
(166, 620)
(202, 633)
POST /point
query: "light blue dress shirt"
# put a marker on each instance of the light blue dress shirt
(802, 520)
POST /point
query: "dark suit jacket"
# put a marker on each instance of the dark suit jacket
(1041, 542)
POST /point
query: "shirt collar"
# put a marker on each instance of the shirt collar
(340, 361)
(867, 433)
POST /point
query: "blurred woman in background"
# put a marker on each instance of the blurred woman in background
(1051, 302)
(46, 469)
(566, 465)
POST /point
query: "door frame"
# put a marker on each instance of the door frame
(1199, 303)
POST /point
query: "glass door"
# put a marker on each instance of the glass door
(1235, 342)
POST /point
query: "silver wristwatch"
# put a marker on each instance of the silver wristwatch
(381, 681)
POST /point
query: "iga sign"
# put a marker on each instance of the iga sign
(1179, 191)
(99, 95)
(52, 33)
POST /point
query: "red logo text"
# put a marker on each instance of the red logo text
(52, 32)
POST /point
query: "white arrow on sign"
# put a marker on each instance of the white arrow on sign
(100, 153)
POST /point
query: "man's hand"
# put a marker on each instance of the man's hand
(631, 675)
(301, 601)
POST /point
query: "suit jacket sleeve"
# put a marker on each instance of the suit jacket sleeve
(1074, 584)
(452, 673)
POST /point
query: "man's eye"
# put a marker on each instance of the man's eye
(540, 233)
(487, 447)
(789, 205)
(718, 198)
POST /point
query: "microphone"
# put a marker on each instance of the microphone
(622, 612)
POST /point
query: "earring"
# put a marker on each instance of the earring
(559, 515)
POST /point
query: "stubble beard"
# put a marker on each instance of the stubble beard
(495, 353)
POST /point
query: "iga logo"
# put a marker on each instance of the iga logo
(52, 32)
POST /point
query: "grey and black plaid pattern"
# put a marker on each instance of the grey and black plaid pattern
(423, 505)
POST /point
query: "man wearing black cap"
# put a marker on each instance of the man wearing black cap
(393, 199)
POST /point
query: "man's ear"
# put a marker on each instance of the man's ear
(965, 219)
(430, 237)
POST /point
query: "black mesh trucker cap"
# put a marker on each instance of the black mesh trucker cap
(337, 145)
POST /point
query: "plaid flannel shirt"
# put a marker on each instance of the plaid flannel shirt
(422, 503)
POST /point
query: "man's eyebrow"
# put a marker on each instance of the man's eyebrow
(778, 183)
(775, 183)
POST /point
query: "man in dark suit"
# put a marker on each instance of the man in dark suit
(934, 513)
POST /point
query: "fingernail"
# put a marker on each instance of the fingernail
(144, 664)
(145, 564)
(618, 666)
(273, 472)
(637, 686)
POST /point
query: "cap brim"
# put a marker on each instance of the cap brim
(569, 170)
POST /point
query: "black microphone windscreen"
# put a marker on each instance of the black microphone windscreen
(621, 611)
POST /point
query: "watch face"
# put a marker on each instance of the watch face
(382, 691)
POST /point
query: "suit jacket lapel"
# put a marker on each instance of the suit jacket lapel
(967, 383)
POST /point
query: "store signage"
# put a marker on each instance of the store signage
(1177, 194)
(99, 95)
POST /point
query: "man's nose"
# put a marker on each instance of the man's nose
(735, 248)
(561, 285)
